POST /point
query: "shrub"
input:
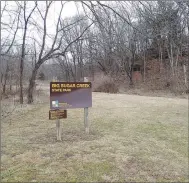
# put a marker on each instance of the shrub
(41, 76)
(107, 87)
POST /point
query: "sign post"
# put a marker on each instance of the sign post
(86, 122)
(57, 114)
(58, 130)
(70, 95)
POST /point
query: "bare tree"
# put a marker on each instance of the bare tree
(108, 37)
(25, 28)
(9, 27)
(56, 48)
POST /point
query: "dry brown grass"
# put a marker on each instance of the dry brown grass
(132, 138)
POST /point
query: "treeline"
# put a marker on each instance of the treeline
(106, 37)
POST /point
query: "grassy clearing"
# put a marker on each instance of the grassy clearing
(133, 138)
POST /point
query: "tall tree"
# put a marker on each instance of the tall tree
(58, 47)
(25, 28)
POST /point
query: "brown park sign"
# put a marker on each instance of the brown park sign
(57, 114)
(67, 95)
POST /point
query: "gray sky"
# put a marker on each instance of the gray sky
(69, 10)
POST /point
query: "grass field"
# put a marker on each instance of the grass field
(132, 138)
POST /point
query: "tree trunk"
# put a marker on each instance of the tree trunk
(4, 88)
(4, 85)
(16, 85)
(172, 61)
(160, 59)
(130, 81)
(21, 84)
(185, 75)
(22, 65)
(144, 68)
(131, 78)
(74, 70)
(92, 71)
(1, 78)
(32, 86)
(5, 79)
(10, 87)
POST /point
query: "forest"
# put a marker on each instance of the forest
(118, 45)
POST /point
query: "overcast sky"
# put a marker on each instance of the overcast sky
(69, 10)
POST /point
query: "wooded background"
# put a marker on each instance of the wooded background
(116, 44)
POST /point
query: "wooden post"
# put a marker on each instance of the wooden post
(58, 130)
(86, 121)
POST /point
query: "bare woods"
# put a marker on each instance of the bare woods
(142, 43)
